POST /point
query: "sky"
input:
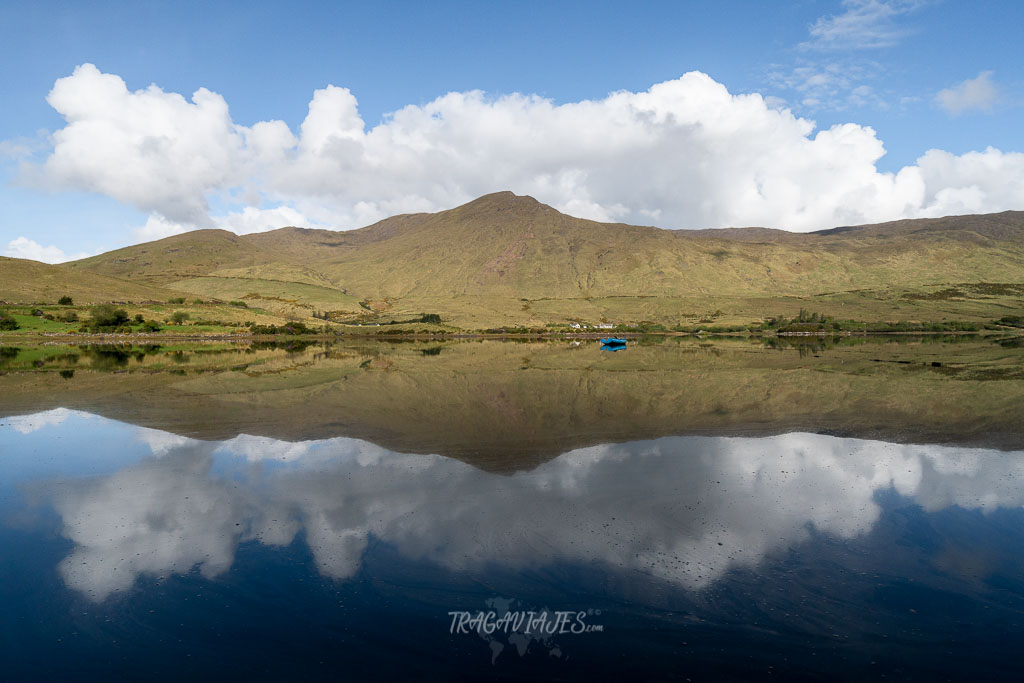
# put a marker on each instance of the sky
(123, 122)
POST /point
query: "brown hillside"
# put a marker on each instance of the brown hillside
(504, 247)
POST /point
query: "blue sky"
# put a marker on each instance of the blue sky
(922, 75)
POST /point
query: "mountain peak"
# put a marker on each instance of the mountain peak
(503, 201)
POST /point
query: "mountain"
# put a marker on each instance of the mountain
(507, 258)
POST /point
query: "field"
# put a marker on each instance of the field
(199, 318)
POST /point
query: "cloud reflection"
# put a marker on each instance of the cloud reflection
(27, 424)
(684, 509)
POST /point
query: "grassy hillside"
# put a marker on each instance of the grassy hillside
(165, 261)
(504, 259)
(23, 281)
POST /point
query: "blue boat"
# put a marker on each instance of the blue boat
(613, 341)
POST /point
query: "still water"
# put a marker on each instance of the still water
(510, 511)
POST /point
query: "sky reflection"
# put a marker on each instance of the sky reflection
(140, 502)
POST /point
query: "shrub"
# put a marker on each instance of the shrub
(176, 300)
(68, 317)
(8, 323)
(430, 318)
(138, 318)
(178, 317)
(107, 316)
(240, 304)
(65, 300)
(287, 328)
(295, 328)
(151, 326)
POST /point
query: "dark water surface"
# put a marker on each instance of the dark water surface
(692, 510)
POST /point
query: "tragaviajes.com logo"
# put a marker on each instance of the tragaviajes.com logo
(504, 623)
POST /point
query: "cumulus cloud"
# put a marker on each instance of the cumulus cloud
(974, 94)
(248, 220)
(971, 183)
(157, 227)
(686, 153)
(251, 219)
(151, 149)
(23, 247)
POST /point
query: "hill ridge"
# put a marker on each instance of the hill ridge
(501, 251)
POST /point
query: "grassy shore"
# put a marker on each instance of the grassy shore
(939, 309)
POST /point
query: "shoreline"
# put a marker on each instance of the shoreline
(443, 336)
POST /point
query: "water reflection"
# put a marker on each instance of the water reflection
(684, 510)
(504, 406)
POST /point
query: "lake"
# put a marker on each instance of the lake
(684, 508)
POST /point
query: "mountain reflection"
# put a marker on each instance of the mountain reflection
(681, 509)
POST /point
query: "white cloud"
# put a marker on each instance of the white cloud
(251, 219)
(17, 149)
(151, 149)
(23, 247)
(841, 82)
(836, 85)
(973, 94)
(972, 183)
(157, 227)
(684, 154)
(248, 220)
(866, 24)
